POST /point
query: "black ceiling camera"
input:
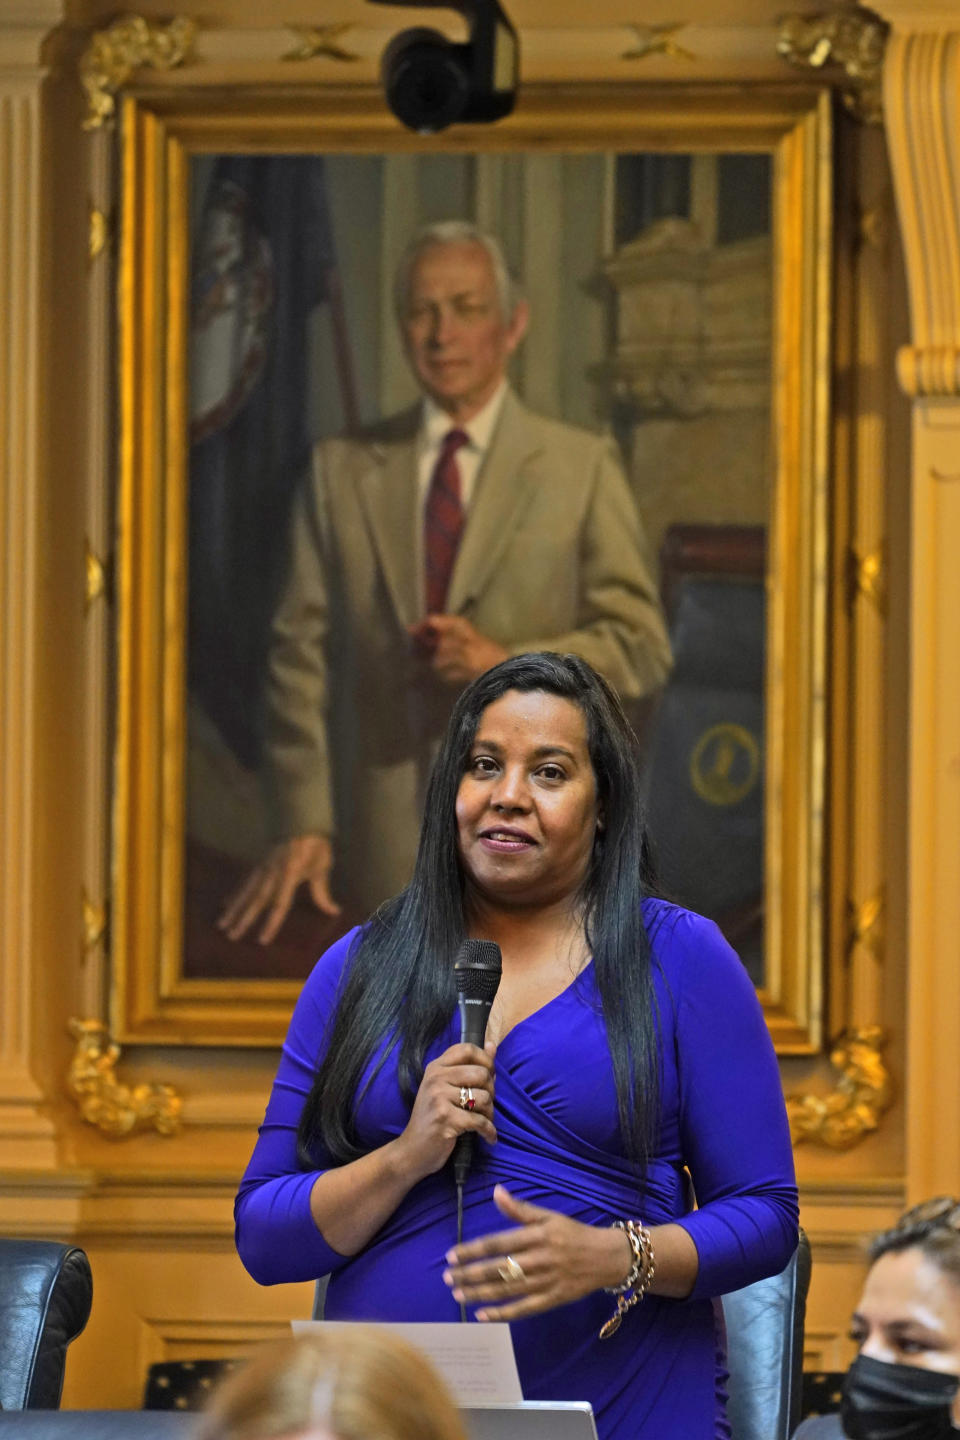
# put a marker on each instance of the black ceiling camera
(432, 82)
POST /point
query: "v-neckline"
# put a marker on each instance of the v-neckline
(541, 1009)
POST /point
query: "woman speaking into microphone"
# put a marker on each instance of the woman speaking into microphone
(626, 1055)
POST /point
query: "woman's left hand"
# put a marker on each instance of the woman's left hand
(547, 1260)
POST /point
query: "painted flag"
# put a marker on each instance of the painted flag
(263, 261)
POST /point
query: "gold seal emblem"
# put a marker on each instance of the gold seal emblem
(725, 764)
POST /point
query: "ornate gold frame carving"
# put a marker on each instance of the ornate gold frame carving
(98, 234)
(94, 923)
(320, 40)
(151, 999)
(854, 39)
(868, 577)
(95, 587)
(658, 40)
(103, 1101)
(126, 45)
(864, 1091)
(866, 926)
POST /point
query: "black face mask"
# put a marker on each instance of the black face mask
(896, 1402)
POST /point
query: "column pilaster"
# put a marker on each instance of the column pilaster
(921, 86)
(26, 1132)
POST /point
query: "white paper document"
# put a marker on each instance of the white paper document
(476, 1362)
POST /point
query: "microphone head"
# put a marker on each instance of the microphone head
(477, 968)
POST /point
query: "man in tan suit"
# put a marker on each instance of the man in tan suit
(547, 553)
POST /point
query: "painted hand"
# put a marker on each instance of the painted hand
(455, 649)
(272, 886)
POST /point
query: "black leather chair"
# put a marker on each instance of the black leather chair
(96, 1425)
(46, 1291)
(764, 1324)
(821, 1427)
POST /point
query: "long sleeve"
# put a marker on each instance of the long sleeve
(276, 1236)
(734, 1131)
(297, 688)
(620, 630)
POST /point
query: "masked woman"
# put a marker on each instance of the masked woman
(627, 1056)
(905, 1381)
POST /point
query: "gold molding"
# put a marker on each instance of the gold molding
(855, 39)
(113, 55)
(115, 1109)
(868, 577)
(94, 923)
(98, 232)
(320, 40)
(657, 40)
(842, 1118)
(873, 228)
(943, 478)
(866, 925)
(95, 569)
(921, 75)
(929, 369)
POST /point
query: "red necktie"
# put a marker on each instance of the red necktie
(443, 521)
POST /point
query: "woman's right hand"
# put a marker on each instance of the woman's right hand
(437, 1118)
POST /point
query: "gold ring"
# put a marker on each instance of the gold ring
(511, 1272)
(467, 1101)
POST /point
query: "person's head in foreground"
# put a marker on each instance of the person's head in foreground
(356, 1384)
(904, 1382)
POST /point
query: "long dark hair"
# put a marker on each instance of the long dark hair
(401, 981)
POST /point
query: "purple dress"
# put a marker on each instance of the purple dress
(722, 1116)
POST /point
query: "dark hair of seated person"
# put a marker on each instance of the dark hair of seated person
(932, 1227)
(401, 966)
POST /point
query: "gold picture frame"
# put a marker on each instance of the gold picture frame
(162, 127)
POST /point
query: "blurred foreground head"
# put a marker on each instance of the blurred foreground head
(355, 1384)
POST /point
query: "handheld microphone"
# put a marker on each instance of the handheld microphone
(477, 967)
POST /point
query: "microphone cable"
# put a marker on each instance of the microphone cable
(463, 1307)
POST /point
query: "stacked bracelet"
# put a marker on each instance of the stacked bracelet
(638, 1278)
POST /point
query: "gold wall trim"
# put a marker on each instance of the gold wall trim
(98, 232)
(320, 40)
(94, 923)
(127, 45)
(866, 925)
(868, 577)
(853, 1109)
(853, 39)
(929, 370)
(115, 1109)
(874, 224)
(657, 40)
(941, 477)
(921, 82)
(95, 570)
